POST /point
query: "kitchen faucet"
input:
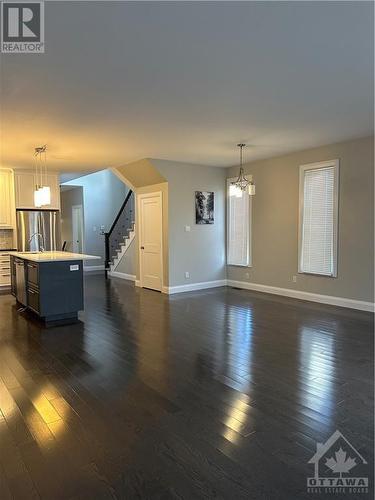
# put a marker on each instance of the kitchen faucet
(41, 239)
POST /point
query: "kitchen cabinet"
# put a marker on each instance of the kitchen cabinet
(25, 182)
(53, 290)
(33, 299)
(7, 209)
(13, 275)
(4, 269)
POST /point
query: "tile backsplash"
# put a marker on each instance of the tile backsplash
(6, 238)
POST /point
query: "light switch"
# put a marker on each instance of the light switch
(187, 229)
(94, 228)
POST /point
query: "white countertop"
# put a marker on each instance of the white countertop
(52, 256)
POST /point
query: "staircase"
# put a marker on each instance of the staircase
(121, 234)
(123, 249)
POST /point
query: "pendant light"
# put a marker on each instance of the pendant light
(38, 198)
(242, 183)
(42, 193)
(46, 190)
(37, 191)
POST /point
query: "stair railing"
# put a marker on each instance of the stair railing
(120, 228)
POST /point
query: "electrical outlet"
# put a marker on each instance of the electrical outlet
(187, 274)
(247, 275)
(294, 278)
(187, 229)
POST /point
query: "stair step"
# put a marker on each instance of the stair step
(123, 247)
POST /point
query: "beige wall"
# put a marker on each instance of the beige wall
(139, 174)
(275, 222)
(201, 251)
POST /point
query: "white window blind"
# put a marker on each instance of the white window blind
(318, 219)
(238, 212)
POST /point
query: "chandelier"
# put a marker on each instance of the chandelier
(242, 184)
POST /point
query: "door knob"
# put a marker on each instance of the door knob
(142, 248)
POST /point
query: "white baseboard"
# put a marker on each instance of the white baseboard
(312, 297)
(90, 269)
(286, 292)
(124, 276)
(194, 286)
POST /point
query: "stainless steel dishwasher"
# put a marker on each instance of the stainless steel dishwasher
(20, 281)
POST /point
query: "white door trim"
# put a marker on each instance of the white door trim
(139, 226)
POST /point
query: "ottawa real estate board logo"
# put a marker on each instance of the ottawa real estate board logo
(22, 27)
(338, 468)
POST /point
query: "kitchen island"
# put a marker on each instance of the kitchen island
(49, 284)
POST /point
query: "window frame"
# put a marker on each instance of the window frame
(316, 166)
(250, 224)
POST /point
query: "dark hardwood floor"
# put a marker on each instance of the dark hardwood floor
(222, 393)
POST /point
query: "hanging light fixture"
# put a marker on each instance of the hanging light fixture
(37, 191)
(38, 198)
(242, 183)
(42, 194)
(46, 190)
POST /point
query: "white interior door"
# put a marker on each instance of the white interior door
(77, 228)
(150, 240)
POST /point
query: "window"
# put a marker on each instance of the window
(318, 218)
(239, 230)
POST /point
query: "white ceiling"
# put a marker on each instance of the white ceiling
(186, 81)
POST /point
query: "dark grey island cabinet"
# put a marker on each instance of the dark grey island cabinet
(51, 289)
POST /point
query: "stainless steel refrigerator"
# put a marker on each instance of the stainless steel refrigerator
(45, 222)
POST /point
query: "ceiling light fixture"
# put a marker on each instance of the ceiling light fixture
(242, 183)
(42, 193)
